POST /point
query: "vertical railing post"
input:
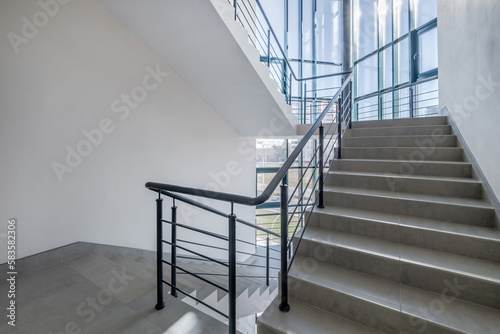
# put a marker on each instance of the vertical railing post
(350, 104)
(268, 48)
(305, 104)
(173, 251)
(232, 271)
(411, 102)
(339, 138)
(321, 166)
(267, 260)
(290, 93)
(284, 307)
(235, 10)
(159, 254)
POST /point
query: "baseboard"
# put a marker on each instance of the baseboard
(477, 173)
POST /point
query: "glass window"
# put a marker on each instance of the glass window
(385, 75)
(401, 17)
(385, 22)
(426, 99)
(307, 29)
(402, 103)
(328, 31)
(428, 50)
(402, 62)
(423, 11)
(368, 109)
(293, 29)
(365, 27)
(386, 106)
(367, 76)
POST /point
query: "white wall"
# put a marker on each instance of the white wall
(469, 76)
(63, 80)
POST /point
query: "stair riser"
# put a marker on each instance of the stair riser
(408, 185)
(430, 239)
(438, 130)
(398, 153)
(436, 280)
(413, 141)
(372, 315)
(404, 168)
(422, 121)
(430, 210)
(349, 307)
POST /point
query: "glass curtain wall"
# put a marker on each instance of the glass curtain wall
(394, 48)
(310, 32)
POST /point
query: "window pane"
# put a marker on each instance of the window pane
(365, 27)
(428, 50)
(385, 22)
(368, 109)
(401, 62)
(423, 11)
(401, 16)
(387, 106)
(293, 29)
(427, 99)
(386, 68)
(270, 152)
(367, 76)
(328, 31)
(307, 29)
(402, 103)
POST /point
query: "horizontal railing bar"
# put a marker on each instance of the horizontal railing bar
(192, 202)
(196, 275)
(406, 85)
(196, 299)
(257, 227)
(212, 234)
(196, 253)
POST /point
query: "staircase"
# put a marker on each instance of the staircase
(405, 244)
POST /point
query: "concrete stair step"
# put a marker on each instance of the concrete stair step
(409, 167)
(433, 130)
(421, 268)
(401, 141)
(304, 318)
(426, 185)
(384, 305)
(467, 240)
(421, 121)
(404, 153)
(451, 209)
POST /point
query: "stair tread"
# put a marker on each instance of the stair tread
(399, 136)
(307, 319)
(465, 163)
(472, 231)
(457, 264)
(405, 176)
(459, 314)
(401, 127)
(478, 203)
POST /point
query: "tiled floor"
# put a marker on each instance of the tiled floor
(93, 294)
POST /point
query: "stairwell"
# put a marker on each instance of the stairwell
(406, 243)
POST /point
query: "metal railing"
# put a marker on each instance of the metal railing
(306, 94)
(406, 101)
(310, 183)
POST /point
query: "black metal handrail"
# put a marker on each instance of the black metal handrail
(343, 99)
